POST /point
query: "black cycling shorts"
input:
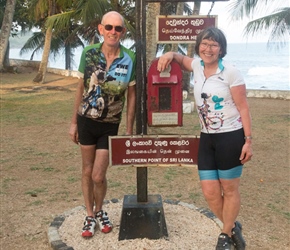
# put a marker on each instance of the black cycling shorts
(92, 132)
(220, 151)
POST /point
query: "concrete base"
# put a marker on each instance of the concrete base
(142, 219)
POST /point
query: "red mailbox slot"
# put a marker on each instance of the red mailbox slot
(164, 95)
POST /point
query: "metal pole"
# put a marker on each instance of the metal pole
(141, 112)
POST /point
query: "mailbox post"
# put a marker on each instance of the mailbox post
(143, 215)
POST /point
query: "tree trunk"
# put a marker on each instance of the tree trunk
(40, 77)
(5, 29)
(196, 7)
(190, 50)
(6, 62)
(153, 10)
(179, 12)
(68, 56)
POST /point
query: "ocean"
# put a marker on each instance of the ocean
(262, 67)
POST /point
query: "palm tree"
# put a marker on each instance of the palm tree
(277, 22)
(6, 29)
(59, 41)
(43, 9)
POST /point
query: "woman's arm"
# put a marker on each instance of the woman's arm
(167, 58)
(240, 98)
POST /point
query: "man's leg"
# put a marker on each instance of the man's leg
(99, 177)
(88, 159)
(100, 189)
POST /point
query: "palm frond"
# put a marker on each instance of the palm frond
(246, 8)
(187, 9)
(278, 23)
(60, 21)
(87, 11)
(35, 41)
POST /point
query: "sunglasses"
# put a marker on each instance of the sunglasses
(109, 27)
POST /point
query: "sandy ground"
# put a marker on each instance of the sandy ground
(187, 229)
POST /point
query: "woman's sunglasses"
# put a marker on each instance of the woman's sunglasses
(109, 27)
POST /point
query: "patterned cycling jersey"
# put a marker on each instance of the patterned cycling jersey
(104, 91)
(217, 110)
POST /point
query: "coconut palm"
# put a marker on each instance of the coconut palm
(42, 9)
(277, 21)
(58, 42)
(64, 23)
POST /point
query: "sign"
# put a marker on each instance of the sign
(140, 151)
(182, 29)
(164, 118)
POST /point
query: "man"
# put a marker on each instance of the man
(106, 71)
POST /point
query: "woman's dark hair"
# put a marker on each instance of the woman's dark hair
(213, 34)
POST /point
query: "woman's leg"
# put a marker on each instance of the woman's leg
(223, 199)
(231, 203)
(213, 194)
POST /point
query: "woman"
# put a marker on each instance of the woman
(225, 139)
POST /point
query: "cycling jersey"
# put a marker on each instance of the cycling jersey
(104, 90)
(215, 105)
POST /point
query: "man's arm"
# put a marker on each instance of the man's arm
(131, 106)
(73, 131)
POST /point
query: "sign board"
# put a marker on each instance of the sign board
(182, 29)
(163, 150)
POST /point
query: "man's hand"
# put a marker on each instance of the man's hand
(73, 133)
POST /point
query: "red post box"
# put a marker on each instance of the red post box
(164, 95)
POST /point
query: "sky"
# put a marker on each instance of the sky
(234, 29)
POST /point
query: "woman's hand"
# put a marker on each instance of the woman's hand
(247, 152)
(164, 61)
